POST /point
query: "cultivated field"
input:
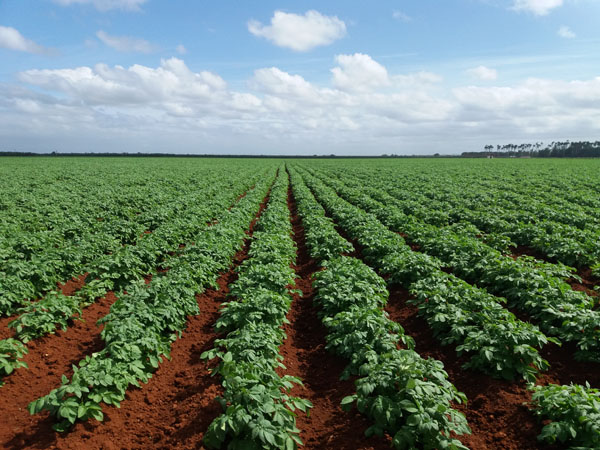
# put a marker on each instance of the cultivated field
(329, 304)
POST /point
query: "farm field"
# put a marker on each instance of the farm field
(269, 303)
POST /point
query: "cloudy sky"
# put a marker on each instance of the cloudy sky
(302, 77)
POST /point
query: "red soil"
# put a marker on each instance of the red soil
(523, 250)
(48, 359)
(564, 369)
(171, 411)
(73, 285)
(587, 284)
(6, 332)
(495, 410)
(305, 356)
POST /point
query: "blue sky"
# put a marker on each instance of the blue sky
(405, 77)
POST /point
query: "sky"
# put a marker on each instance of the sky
(302, 77)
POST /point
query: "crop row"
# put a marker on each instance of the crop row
(493, 338)
(258, 410)
(569, 237)
(116, 271)
(536, 289)
(403, 394)
(142, 324)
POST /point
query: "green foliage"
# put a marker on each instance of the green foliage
(460, 314)
(391, 381)
(43, 317)
(11, 353)
(574, 414)
(258, 411)
(362, 333)
(409, 397)
(143, 323)
(497, 341)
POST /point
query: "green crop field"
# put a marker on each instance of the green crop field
(316, 303)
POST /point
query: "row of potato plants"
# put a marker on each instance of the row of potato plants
(569, 199)
(570, 412)
(536, 289)
(405, 395)
(258, 410)
(70, 233)
(68, 249)
(129, 263)
(115, 272)
(514, 219)
(495, 341)
(141, 325)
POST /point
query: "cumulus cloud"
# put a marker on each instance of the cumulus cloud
(359, 72)
(483, 73)
(566, 32)
(535, 107)
(172, 82)
(11, 39)
(105, 5)
(300, 32)
(143, 108)
(275, 81)
(537, 7)
(125, 43)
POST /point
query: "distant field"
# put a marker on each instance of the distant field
(413, 303)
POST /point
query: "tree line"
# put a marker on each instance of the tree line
(558, 149)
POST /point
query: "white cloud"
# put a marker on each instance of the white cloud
(537, 7)
(11, 39)
(125, 43)
(106, 5)
(566, 32)
(483, 73)
(534, 107)
(181, 49)
(300, 33)
(137, 85)
(141, 108)
(275, 81)
(402, 17)
(359, 72)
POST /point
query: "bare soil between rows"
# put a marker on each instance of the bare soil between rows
(176, 406)
(306, 357)
(48, 359)
(171, 411)
(497, 410)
